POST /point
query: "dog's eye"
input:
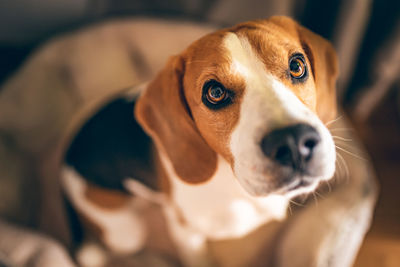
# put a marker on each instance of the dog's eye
(215, 95)
(297, 67)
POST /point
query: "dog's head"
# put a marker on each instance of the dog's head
(257, 94)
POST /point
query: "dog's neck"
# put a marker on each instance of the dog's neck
(220, 208)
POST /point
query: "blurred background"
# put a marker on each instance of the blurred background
(366, 34)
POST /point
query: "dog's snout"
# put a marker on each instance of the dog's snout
(291, 146)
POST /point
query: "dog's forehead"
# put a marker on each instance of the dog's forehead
(266, 37)
(271, 42)
(229, 55)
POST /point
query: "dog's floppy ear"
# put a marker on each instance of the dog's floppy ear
(163, 112)
(324, 65)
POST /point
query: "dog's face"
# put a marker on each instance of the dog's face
(258, 95)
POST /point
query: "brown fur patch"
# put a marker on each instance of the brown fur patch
(163, 113)
(325, 67)
(163, 182)
(207, 60)
(105, 198)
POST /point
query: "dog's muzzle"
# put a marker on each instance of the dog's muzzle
(293, 148)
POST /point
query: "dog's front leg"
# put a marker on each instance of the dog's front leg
(330, 231)
(191, 245)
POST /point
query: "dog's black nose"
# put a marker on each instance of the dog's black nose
(291, 146)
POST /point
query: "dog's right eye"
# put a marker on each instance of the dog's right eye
(298, 67)
(215, 95)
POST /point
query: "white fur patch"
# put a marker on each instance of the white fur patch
(91, 255)
(220, 208)
(123, 229)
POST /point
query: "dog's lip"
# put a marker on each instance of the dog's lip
(298, 183)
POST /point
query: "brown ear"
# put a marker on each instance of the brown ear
(163, 112)
(325, 70)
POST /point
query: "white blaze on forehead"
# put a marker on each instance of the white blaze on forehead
(281, 103)
(267, 104)
(243, 60)
(238, 67)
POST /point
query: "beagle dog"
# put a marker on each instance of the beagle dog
(222, 139)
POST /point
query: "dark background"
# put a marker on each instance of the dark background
(361, 30)
(366, 34)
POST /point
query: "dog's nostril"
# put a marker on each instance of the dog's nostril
(283, 155)
(307, 145)
(310, 144)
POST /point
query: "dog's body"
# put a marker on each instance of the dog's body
(220, 184)
(238, 128)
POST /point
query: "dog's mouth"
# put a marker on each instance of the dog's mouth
(292, 183)
(283, 182)
(297, 187)
(300, 183)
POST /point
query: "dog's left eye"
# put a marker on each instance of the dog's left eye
(215, 95)
(297, 67)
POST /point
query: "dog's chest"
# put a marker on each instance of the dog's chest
(220, 208)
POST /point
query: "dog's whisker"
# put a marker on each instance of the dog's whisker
(339, 172)
(341, 138)
(296, 203)
(340, 160)
(342, 129)
(350, 153)
(315, 198)
(319, 194)
(346, 168)
(352, 148)
(333, 121)
(329, 186)
(290, 208)
(303, 198)
(350, 145)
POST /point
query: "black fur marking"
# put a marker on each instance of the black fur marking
(111, 147)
